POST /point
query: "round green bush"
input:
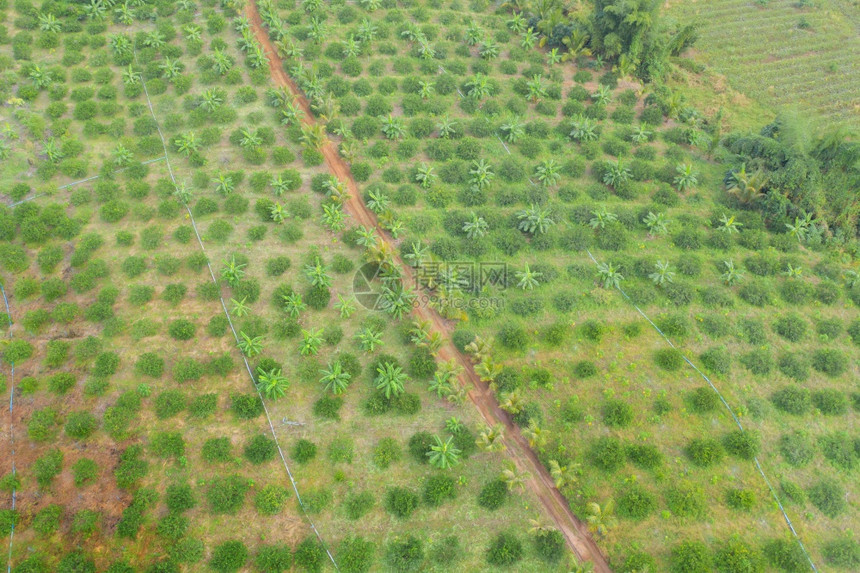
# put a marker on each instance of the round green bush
(226, 494)
(830, 361)
(796, 448)
(584, 369)
(736, 556)
(85, 471)
(830, 401)
(357, 505)
(260, 449)
(792, 327)
(645, 456)
(180, 497)
(840, 449)
(150, 364)
(355, 555)
(505, 550)
(216, 450)
(439, 488)
(304, 451)
(785, 555)
(400, 502)
(716, 360)
(740, 499)
(405, 555)
(229, 557)
(80, 425)
(843, 553)
(386, 451)
(61, 382)
(493, 495)
(271, 499)
(705, 452)
(828, 496)
(690, 557)
(181, 329)
(274, 558)
(703, 400)
(246, 406)
(792, 400)
(419, 446)
(169, 403)
(744, 444)
(636, 503)
(607, 454)
(669, 359)
(686, 500)
(617, 413)
(47, 520)
(310, 555)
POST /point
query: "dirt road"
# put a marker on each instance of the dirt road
(517, 447)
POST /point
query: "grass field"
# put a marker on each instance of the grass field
(783, 54)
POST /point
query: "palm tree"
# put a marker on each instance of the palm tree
(313, 135)
(334, 379)
(476, 227)
(536, 89)
(609, 275)
(233, 272)
(345, 306)
(747, 188)
(563, 475)
(534, 220)
(794, 272)
(488, 50)
(656, 223)
(425, 176)
(367, 31)
(444, 455)
(491, 439)
(249, 346)
(512, 402)
(662, 275)
(291, 114)
(616, 173)
(536, 435)
(447, 127)
(602, 95)
(223, 62)
(640, 134)
(415, 257)
(548, 173)
(397, 301)
(527, 279)
(130, 76)
(250, 138)
(393, 128)
(333, 217)
(122, 155)
(729, 225)
(170, 68)
(686, 178)
(368, 339)
(601, 519)
(514, 478)
(273, 384)
(440, 384)
(277, 212)
(517, 23)
(390, 379)
(352, 47)
(474, 33)
(530, 38)
(224, 184)
(478, 87)
(211, 99)
(377, 201)
(240, 309)
(801, 228)
(480, 174)
(49, 23)
(293, 304)
(731, 275)
(317, 274)
(425, 89)
(186, 143)
(512, 130)
(311, 342)
(583, 129)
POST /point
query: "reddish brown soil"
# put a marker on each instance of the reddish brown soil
(540, 482)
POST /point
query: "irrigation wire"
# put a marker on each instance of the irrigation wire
(11, 430)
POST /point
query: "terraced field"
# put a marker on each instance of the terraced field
(783, 54)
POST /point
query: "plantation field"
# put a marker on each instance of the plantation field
(783, 53)
(390, 286)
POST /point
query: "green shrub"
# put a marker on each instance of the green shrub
(493, 495)
(149, 364)
(744, 444)
(106, 364)
(217, 450)
(786, 556)
(703, 400)
(203, 405)
(80, 425)
(341, 450)
(607, 454)
(246, 406)
(669, 359)
(304, 451)
(758, 361)
(843, 553)
(271, 499)
(638, 561)
(792, 327)
(405, 555)
(42, 426)
(357, 505)
(260, 449)
(716, 360)
(172, 526)
(419, 446)
(830, 401)
(645, 456)
(8, 520)
(439, 488)
(636, 503)
(584, 369)
(796, 448)
(690, 557)
(686, 500)
(740, 499)
(310, 555)
(355, 555)
(400, 502)
(830, 361)
(705, 452)
(792, 400)
(47, 520)
(131, 468)
(167, 444)
(85, 522)
(181, 329)
(735, 556)
(180, 497)
(505, 550)
(169, 403)
(226, 494)
(617, 414)
(229, 557)
(794, 366)
(839, 449)
(47, 467)
(328, 407)
(85, 472)
(828, 496)
(274, 558)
